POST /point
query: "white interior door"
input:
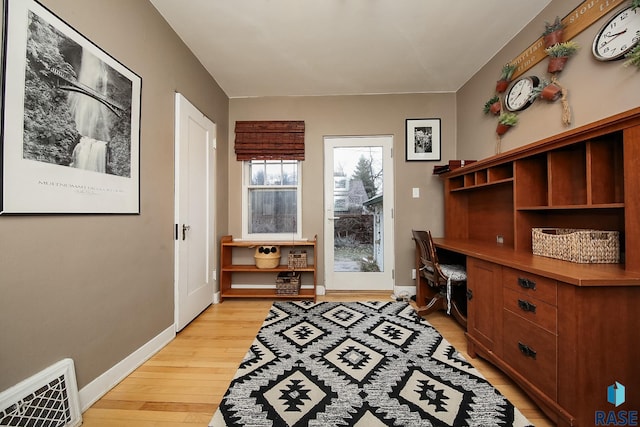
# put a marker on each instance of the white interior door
(358, 200)
(194, 208)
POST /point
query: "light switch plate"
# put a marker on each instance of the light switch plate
(416, 192)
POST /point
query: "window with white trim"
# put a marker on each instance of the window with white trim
(271, 200)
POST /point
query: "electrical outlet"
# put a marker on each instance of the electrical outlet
(416, 192)
(499, 239)
(413, 273)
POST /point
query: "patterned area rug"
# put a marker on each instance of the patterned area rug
(357, 364)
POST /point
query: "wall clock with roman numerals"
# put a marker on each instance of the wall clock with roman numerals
(618, 35)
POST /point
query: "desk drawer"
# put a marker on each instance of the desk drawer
(532, 352)
(539, 312)
(532, 285)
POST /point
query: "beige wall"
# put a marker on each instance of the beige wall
(356, 115)
(96, 288)
(595, 90)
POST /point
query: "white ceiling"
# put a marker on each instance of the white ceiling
(335, 47)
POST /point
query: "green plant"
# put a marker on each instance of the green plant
(635, 4)
(537, 90)
(507, 71)
(561, 50)
(489, 103)
(554, 26)
(508, 119)
(633, 57)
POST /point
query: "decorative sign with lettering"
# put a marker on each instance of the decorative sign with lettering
(580, 18)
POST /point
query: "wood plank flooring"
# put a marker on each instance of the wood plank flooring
(183, 384)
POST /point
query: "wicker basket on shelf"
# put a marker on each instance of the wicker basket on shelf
(297, 259)
(288, 283)
(267, 256)
(577, 245)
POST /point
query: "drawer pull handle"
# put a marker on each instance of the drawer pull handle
(526, 306)
(469, 294)
(526, 350)
(527, 283)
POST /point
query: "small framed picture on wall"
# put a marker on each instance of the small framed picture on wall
(422, 139)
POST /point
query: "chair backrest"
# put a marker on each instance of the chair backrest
(430, 269)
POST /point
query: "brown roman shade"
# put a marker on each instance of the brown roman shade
(269, 140)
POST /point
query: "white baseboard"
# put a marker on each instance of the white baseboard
(404, 290)
(97, 388)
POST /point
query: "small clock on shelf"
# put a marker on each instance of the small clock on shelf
(519, 94)
(618, 35)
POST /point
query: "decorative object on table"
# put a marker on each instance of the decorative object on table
(505, 77)
(553, 32)
(559, 54)
(518, 96)
(267, 256)
(288, 283)
(618, 36)
(493, 106)
(577, 245)
(422, 139)
(71, 125)
(357, 364)
(452, 165)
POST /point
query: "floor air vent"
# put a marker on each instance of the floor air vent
(47, 399)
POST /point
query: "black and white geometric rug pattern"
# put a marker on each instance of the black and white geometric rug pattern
(357, 364)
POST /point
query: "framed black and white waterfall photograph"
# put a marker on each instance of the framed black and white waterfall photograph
(70, 120)
(422, 139)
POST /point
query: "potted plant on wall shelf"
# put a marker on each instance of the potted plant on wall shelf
(553, 32)
(505, 122)
(493, 106)
(546, 90)
(558, 55)
(505, 77)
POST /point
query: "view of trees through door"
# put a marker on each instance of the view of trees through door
(357, 198)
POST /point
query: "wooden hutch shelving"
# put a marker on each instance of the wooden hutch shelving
(236, 258)
(563, 331)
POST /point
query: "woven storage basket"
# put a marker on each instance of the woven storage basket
(267, 256)
(297, 259)
(288, 283)
(577, 245)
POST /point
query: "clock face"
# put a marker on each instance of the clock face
(618, 36)
(518, 96)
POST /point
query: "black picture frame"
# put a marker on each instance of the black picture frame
(423, 139)
(70, 120)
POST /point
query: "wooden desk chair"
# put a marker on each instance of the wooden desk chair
(442, 279)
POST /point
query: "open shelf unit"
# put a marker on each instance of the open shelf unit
(237, 262)
(574, 180)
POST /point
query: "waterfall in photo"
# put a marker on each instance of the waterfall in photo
(90, 154)
(92, 119)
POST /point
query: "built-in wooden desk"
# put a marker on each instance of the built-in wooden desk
(563, 331)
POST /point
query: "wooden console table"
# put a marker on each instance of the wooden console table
(563, 331)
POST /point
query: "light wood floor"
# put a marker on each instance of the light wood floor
(183, 384)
